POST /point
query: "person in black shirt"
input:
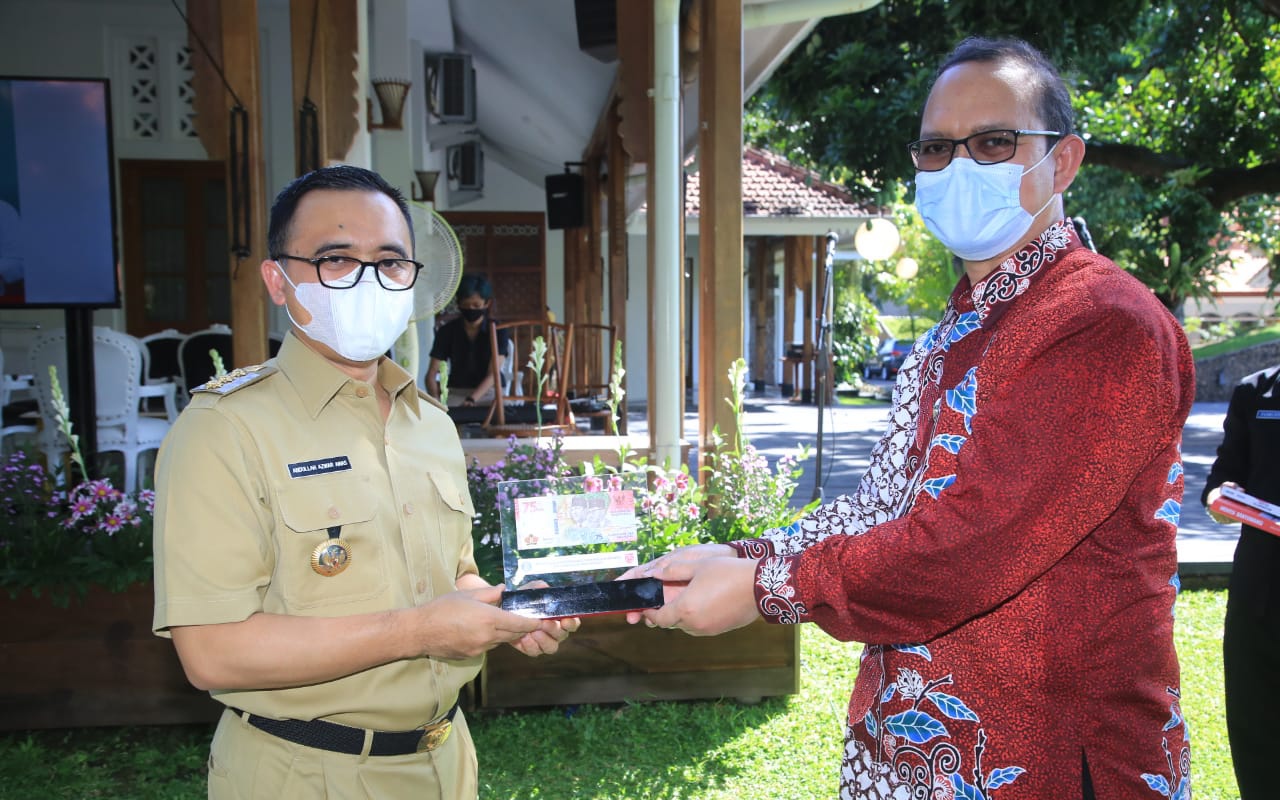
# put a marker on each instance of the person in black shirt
(1249, 457)
(464, 343)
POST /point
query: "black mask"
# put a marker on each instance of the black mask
(472, 314)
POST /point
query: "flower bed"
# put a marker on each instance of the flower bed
(609, 661)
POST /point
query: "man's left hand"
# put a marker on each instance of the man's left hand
(714, 595)
(546, 640)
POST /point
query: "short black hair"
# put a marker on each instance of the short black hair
(342, 177)
(1053, 102)
(476, 285)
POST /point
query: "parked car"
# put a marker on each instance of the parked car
(888, 360)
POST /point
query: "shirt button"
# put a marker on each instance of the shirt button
(422, 587)
(334, 513)
(362, 392)
(408, 509)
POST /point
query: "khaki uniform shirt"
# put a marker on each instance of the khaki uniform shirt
(251, 480)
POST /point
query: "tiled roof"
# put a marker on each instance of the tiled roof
(774, 187)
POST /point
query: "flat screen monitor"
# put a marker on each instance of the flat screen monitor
(57, 194)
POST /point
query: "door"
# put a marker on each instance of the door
(176, 251)
(509, 249)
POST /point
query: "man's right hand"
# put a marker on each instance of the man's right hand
(467, 623)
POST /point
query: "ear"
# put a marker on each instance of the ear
(274, 281)
(1067, 157)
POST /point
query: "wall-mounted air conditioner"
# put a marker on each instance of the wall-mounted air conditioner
(465, 164)
(451, 87)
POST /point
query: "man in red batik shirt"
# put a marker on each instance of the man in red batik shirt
(1009, 557)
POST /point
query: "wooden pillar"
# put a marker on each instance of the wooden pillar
(759, 304)
(720, 222)
(789, 257)
(325, 74)
(618, 268)
(230, 29)
(807, 251)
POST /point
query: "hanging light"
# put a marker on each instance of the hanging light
(907, 268)
(876, 239)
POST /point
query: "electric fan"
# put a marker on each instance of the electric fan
(437, 248)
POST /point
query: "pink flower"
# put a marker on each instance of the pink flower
(615, 483)
(593, 483)
(682, 481)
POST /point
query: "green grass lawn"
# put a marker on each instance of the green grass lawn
(1267, 334)
(781, 748)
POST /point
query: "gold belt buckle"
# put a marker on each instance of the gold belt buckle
(434, 734)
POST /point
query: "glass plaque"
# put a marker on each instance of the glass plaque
(576, 535)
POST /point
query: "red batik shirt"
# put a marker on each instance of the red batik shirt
(1009, 557)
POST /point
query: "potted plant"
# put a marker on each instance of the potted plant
(75, 564)
(608, 660)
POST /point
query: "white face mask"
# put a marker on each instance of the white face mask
(974, 209)
(360, 323)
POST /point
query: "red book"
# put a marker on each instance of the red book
(1247, 509)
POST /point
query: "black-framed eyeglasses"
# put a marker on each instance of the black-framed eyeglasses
(985, 147)
(343, 272)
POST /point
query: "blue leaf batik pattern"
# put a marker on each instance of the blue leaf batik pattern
(1170, 511)
(915, 726)
(964, 398)
(934, 486)
(952, 706)
(966, 323)
(914, 649)
(1177, 784)
(951, 442)
(999, 777)
(911, 746)
(1175, 471)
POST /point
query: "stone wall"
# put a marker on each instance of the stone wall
(1217, 376)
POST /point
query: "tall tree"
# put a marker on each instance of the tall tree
(1177, 101)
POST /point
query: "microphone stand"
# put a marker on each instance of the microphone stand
(820, 355)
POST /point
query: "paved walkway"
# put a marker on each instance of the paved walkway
(777, 427)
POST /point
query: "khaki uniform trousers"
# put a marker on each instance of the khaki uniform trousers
(248, 764)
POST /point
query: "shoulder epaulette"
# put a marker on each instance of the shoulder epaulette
(236, 379)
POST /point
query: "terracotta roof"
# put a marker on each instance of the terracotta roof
(774, 187)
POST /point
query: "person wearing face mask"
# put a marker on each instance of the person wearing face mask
(313, 554)
(464, 344)
(1009, 557)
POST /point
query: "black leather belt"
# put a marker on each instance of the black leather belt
(331, 736)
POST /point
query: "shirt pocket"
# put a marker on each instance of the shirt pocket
(308, 511)
(454, 513)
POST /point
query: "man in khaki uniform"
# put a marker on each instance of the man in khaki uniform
(313, 556)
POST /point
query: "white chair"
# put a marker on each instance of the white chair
(117, 368)
(160, 364)
(9, 427)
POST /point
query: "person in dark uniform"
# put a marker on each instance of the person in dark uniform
(464, 344)
(1249, 457)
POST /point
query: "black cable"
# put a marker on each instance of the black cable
(308, 116)
(237, 155)
(217, 67)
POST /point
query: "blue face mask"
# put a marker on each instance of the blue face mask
(975, 209)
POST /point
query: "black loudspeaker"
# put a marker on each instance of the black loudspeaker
(597, 28)
(566, 201)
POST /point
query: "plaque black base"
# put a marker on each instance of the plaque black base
(585, 599)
